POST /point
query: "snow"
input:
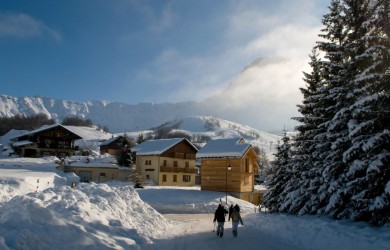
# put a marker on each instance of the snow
(86, 133)
(157, 147)
(223, 148)
(40, 210)
(104, 161)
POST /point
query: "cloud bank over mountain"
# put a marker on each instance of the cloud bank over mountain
(256, 97)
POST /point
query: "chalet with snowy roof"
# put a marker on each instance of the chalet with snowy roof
(54, 140)
(167, 162)
(229, 165)
(112, 146)
(96, 169)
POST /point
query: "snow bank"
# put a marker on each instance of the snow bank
(93, 216)
(311, 232)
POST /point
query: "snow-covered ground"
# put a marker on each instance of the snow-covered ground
(40, 210)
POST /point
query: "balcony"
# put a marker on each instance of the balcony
(166, 169)
(183, 155)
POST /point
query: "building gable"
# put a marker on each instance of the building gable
(164, 146)
(224, 148)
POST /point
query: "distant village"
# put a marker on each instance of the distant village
(224, 165)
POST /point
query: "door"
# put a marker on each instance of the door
(85, 176)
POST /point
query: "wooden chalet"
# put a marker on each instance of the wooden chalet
(167, 162)
(53, 140)
(112, 146)
(229, 165)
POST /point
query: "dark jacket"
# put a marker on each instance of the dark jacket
(236, 217)
(219, 214)
(230, 211)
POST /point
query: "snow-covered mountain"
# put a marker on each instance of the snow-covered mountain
(200, 129)
(257, 96)
(116, 116)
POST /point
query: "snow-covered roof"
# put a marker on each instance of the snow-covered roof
(92, 162)
(157, 147)
(109, 140)
(86, 133)
(22, 143)
(221, 148)
(6, 139)
(43, 128)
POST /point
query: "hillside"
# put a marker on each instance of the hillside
(200, 129)
(116, 116)
(257, 97)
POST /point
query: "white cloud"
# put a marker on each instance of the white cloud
(23, 26)
(252, 33)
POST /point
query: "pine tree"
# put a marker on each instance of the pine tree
(306, 198)
(368, 175)
(124, 157)
(278, 176)
(331, 138)
(339, 163)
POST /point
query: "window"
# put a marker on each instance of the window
(148, 162)
(174, 178)
(247, 167)
(164, 178)
(186, 178)
(175, 164)
(187, 164)
(147, 177)
(165, 163)
(103, 174)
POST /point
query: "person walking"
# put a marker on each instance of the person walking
(236, 218)
(219, 216)
(230, 211)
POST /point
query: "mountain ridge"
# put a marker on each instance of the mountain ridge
(248, 99)
(116, 116)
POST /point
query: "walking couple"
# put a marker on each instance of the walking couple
(234, 214)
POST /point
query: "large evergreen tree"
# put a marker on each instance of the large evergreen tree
(368, 176)
(305, 200)
(333, 137)
(340, 164)
(278, 176)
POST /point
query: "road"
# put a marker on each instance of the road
(195, 231)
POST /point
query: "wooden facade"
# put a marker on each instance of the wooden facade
(232, 174)
(216, 176)
(53, 140)
(113, 146)
(174, 166)
(95, 174)
(100, 174)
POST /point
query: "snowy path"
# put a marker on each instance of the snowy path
(197, 230)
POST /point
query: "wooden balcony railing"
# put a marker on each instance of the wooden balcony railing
(177, 170)
(183, 155)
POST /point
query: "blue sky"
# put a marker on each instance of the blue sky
(135, 51)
